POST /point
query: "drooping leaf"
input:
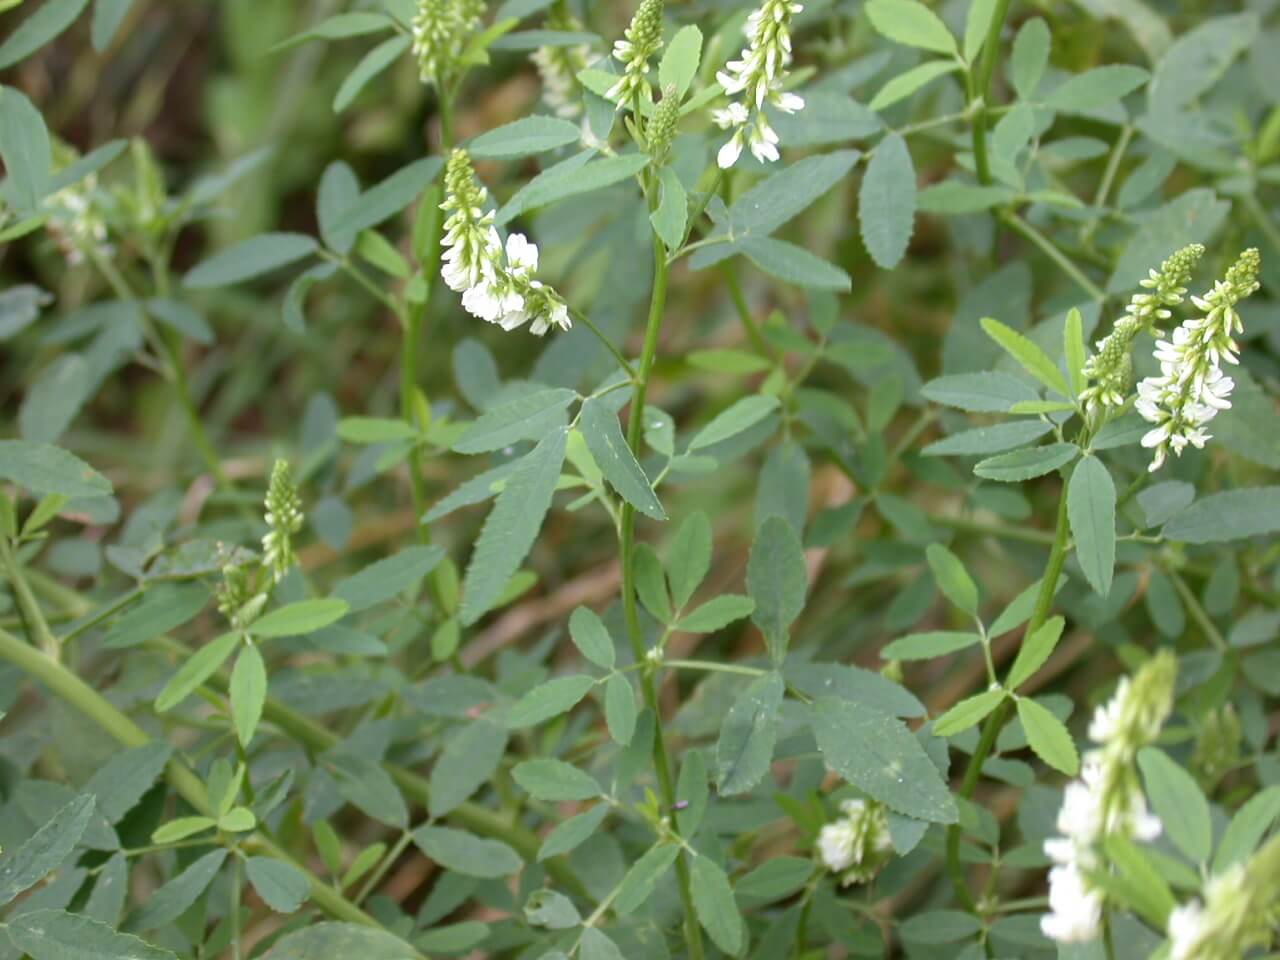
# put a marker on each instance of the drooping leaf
(716, 908)
(747, 737)
(777, 579)
(600, 428)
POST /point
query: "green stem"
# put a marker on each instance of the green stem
(582, 318)
(1197, 611)
(635, 433)
(1024, 534)
(1026, 230)
(233, 909)
(749, 324)
(387, 863)
(37, 626)
(982, 89)
(997, 719)
(712, 666)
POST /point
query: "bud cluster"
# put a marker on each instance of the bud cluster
(643, 39)
(559, 66)
(284, 519)
(441, 31)
(857, 845)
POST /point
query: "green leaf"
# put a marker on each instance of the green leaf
(716, 613)
(643, 877)
(165, 905)
(924, 646)
(671, 218)
(1074, 351)
(744, 414)
(996, 438)
(679, 63)
(976, 25)
(195, 670)
(887, 200)
(727, 361)
(1030, 56)
(795, 264)
(466, 854)
(554, 780)
(692, 793)
(237, 820)
(651, 586)
(45, 469)
(907, 83)
(321, 941)
(880, 756)
(1034, 360)
(55, 935)
(777, 199)
(512, 526)
(24, 147)
(525, 137)
(596, 945)
(250, 258)
(298, 619)
(1136, 882)
(967, 712)
(1096, 88)
(54, 398)
(282, 886)
(1247, 828)
(689, 557)
(1180, 804)
(163, 608)
(248, 692)
(573, 832)
(554, 911)
(470, 756)
(107, 17)
(181, 828)
(1027, 463)
(620, 708)
(387, 578)
(515, 420)
(777, 579)
(1233, 515)
(1048, 737)
(953, 197)
(548, 700)
(123, 780)
(717, 910)
(364, 783)
(560, 184)
(1091, 508)
(952, 578)
(49, 20)
(385, 199)
(600, 428)
(339, 27)
(748, 735)
(370, 65)
(591, 637)
(1035, 650)
(978, 392)
(46, 849)
(912, 23)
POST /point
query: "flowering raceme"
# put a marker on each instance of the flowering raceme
(496, 284)
(643, 39)
(758, 76)
(856, 845)
(558, 66)
(441, 31)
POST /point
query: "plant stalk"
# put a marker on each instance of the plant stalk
(982, 90)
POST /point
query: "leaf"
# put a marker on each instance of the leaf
(952, 579)
(24, 147)
(912, 23)
(107, 17)
(599, 425)
(1035, 650)
(248, 692)
(742, 415)
(777, 199)
(907, 83)
(525, 137)
(181, 828)
(1096, 88)
(887, 201)
(716, 614)
(777, 579)
(620, 708)
(49, 20)
(978, 392)
(370, 65)
(514, 420)
(848, 682)
(924, 646)
(322, 941)
(748, 735)
(679, 63)
(1074, 351)
(554, 780)
(165, 905)
(298, 619)
(591, 637)
(976, 25)
(596, 945)
(282, 886)
(54, 399)
(880, 756)
(967, 712)
(198, 668)
(339, 27)
(795, 264)
(250, 258)
(1030, 57)
(717, 910)
(671, 219)
(363, 783)
(1247, 828)
(953, 197)
(828, 117)
(512, 526)
(122, 781)
(1034, 360)
(1180, 804)
(1048, 737)
(467, 762)
(42, 468)
(561, 183)
(548, 700)
(46, 849)
(996, 438)
(386, 198)
(1027, 463)
(570, 833)
(387, 578)
(692, 793)
(643, 877)
(55, 935)
(1091, 508)
(1233, 515)
(466, 854)
(689, 557)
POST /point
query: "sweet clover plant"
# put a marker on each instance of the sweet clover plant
(576, 481)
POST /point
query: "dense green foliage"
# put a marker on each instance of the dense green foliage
(553, 479)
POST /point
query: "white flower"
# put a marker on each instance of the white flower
(858, 844)
(835, 843)
(1075, 911)
(1186, 928)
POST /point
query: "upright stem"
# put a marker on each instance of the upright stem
(37, 626)
(627, 537)
(996, 720)
(982, 90)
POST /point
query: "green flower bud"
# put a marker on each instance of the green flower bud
(662, 127)
(643, 40)
(283, 518)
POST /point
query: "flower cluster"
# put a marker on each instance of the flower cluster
(559, 66)
(1107, 800)
(857, 845)
(1238, 910)
(441, 31)
(496, 288)
(643, 40)
(1110, 370)
(283, 518)
(759, 76)
(74, 215)
(1192, 388)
